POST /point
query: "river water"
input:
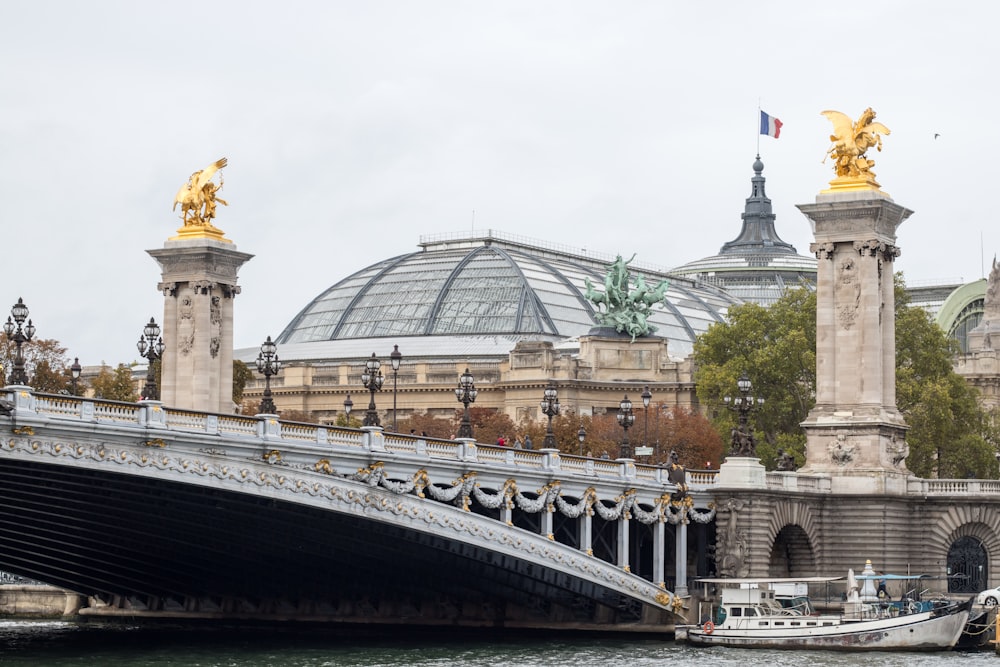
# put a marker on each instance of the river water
(59, 644)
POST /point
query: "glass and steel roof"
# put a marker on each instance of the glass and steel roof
(488, 286)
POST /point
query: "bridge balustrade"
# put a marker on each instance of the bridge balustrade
(583, 503)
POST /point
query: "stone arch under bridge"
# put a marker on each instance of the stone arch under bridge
(965, 540)
(792, 534)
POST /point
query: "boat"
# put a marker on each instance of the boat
(907, 592)
(751, 614)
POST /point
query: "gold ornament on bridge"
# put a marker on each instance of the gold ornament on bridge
(851, 141)
(199, 198)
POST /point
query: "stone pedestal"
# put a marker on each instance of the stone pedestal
(855, 430)
(199, 284)
(740, 472)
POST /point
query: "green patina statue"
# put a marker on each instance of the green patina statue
(622, 307)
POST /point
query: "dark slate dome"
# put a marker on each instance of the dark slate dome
(757, 265)
(477, 295)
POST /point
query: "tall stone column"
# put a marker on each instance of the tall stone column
(199, 285)
(855, 433)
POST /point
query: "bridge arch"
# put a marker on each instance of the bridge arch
(946, 542)
(792, 533)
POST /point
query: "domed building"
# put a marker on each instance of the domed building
(757, 265)
(512, 310)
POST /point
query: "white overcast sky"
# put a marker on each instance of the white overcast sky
(353, 128)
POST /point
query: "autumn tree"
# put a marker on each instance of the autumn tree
(242, 375)
(44, 361)
(692, 436)
(488, 424)
(115, 385)
(422, 422)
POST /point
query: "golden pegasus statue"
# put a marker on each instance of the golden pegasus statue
(850, 143)
(199, 196)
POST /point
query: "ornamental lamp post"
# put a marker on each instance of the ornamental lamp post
(268, 364)
(647, 396)
(625, 418)
(466, 393)
(74, 374)
(395, 358)
(581, 435)
(20, 335)
(550, 408)
(151, 347)
(743, 441)
(348, 406)
(372, 379)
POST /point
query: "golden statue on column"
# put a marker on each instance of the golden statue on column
(199, 198)
(851, 141)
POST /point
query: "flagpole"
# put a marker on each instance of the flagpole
(758, 127)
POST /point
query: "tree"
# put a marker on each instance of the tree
(44, 358)
(488, 424)
(692, 436)
(949, 434)
(241, 377)
(776, 347)
(115, 385)
(422, 422)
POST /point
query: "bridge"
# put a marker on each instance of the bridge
(153, 511)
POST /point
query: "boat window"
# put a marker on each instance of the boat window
(779, 622)
(737, 611)
(795, 623)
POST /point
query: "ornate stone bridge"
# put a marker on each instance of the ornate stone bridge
(148, 510)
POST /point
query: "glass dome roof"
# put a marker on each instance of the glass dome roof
(488, 284)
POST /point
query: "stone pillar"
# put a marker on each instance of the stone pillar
(659, 552)
(680, 558)
(855, 433)
(587, 533)
(199, 285)
(623, 543)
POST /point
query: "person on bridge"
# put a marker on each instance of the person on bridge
(500, 441)
(527, 442)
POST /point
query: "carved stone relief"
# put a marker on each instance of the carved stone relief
(848, 292)
(216, 319)
(733, 544)
(841, 453)
(185, 323)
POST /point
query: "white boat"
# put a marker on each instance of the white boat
(751, 616)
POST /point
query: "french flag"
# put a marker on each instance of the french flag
(769, 125)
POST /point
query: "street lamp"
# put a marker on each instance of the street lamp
(372, 379)
(268, 364)
(151, 347)
(743, 442)
(348, 406)
(550, 408)
(581, 435)
(395, 358)
(20, 336)
(466, 393)
(625, 418)
(647, 396)
(74, 374)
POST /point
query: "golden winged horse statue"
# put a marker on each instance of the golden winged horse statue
(851, 140)
(199, 196)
